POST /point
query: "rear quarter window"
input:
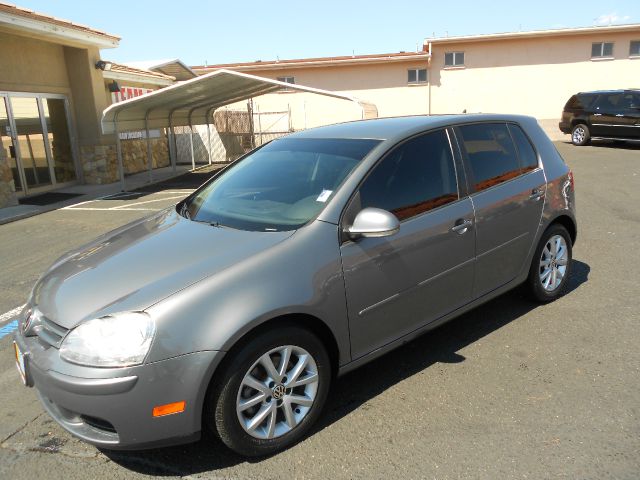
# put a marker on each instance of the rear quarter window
(574, 103)
(526, 152)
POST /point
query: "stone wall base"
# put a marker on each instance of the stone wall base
(100, 162)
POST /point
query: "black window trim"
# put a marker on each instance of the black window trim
(467, 165)
(352, 206)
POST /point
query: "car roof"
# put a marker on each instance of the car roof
(620, 90)
(396, 128)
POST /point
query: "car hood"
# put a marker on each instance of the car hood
(138, 265)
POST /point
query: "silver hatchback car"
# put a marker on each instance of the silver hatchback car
(303, 260)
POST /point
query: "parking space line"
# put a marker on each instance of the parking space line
(122, 207)
(11, 313)
(112, 209)
(8, 328)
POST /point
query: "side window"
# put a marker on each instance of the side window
(416, 177)
(528, 157)
(609, 103)
(491, 154)
(628, 101)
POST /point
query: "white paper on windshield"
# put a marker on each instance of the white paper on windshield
(324, 195)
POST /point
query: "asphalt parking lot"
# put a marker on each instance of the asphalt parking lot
(509, 390)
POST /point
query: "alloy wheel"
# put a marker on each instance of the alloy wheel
(578, 135)
(277, 392)
(553, 263)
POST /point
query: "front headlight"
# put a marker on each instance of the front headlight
(118, 340)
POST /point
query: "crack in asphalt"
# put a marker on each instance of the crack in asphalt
(11, 435)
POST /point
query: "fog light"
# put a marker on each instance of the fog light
(169, 409)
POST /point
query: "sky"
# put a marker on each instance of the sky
(213, 32)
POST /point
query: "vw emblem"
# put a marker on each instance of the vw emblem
(278, 391)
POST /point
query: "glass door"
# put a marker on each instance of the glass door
(7, 148)
(37, 140)
(30, 142)
(59, 139)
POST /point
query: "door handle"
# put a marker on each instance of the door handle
(536, 194)
(461, 226)
(619, 115)
(597, 114)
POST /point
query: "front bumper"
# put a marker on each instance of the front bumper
(112, 407)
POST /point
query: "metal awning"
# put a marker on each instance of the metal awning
(193, 102)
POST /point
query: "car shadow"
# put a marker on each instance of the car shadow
(355, 389)
(617, 144)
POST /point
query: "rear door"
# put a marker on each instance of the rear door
(507, 190)
(399, 283)
(607, 115)
(629, 117)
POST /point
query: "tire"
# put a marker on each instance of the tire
(541, 284)
(580, 135)
(286, 421)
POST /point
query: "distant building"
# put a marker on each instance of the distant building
(532, 73)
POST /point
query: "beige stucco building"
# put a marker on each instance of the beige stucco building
(53, 89)
(532, 73)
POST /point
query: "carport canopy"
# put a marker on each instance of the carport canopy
(192, 102)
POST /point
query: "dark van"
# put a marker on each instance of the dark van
(607, 114)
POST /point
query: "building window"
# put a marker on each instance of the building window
(291, 80)
(454, 59)
(417, 75)
(602, 50)
(634, 49)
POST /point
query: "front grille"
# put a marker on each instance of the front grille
(49, 333)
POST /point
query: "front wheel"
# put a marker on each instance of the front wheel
(580, 135)
(551, 265)
(271, 392)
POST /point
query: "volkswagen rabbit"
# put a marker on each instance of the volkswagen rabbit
(235, 309)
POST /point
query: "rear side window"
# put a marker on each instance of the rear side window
(528, 157)
(574, 103)
(417, 176)
(491, 154)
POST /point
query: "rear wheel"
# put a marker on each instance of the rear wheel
(551, 265)
(580, 135)
(271, 392)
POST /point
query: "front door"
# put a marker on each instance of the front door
(399, 283)
(35, 137)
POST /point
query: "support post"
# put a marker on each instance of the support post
(173, 144)
(193, 158)
(119, 154)
(209, 140)
(149, 155)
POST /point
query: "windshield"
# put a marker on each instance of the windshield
(279, 187)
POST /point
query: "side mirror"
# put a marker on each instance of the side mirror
(374, 222)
